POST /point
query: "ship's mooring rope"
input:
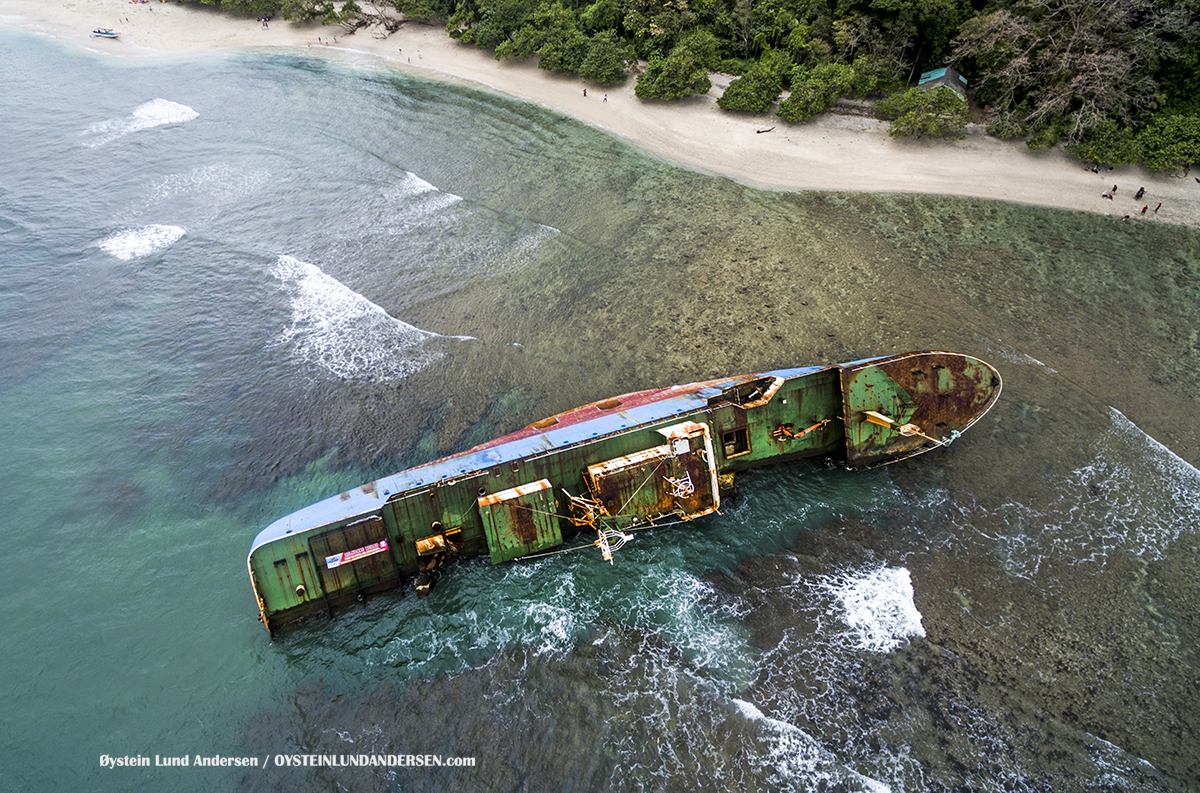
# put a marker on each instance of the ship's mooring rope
(593, 545)
(649, 476)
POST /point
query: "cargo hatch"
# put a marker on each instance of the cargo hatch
(520, 521)
(679, 477)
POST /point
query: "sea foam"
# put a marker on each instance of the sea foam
(1013, 355)
(412, 184)
(154, 113)
(202, 192)
(878, 606)
(800, 760)
(341, 331)
(419, 201)
(142, 241)
(1135, 496)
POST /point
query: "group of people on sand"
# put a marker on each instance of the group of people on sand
(1111, 195)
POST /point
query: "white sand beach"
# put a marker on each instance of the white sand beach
(834, 152)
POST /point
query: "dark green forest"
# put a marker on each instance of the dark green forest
(1115, 81)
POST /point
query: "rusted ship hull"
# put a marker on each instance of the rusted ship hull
(607, 467)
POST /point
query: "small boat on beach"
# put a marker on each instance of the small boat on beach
(664, 455)
(104, 33)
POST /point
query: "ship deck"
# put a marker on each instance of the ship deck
(596, 420)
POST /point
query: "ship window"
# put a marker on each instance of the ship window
(735, 442)
(743, 393)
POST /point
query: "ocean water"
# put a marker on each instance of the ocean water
(234, 283)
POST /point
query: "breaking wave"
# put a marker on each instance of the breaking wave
(341, 331)
(415, 202)
(877, 606)
(155, 113)
(413, 185)
(794, 757)
(1135, 495)
(142, 241)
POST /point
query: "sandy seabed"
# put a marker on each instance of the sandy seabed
(833, 152)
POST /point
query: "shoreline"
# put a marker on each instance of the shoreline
(831, 153)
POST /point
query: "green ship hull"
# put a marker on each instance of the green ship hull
(608, 467)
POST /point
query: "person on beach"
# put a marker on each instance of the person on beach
(1114, 190)
(1158, 207)
(585, 92)
(1145, 208)
(1141, 192)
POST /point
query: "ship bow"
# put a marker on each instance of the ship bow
(903, 405)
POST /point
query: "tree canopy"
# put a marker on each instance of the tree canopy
(939, 112)
(683, 71)
(757, 89)
(1074, 63)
